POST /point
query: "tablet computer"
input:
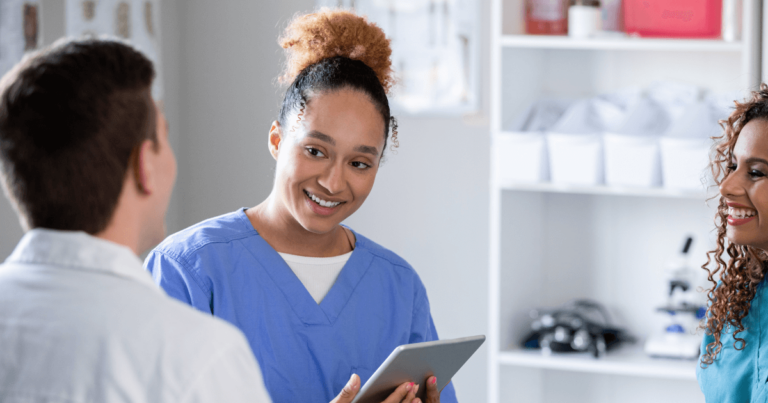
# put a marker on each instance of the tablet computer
(415, 363)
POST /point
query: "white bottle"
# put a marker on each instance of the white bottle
(584, 19)
(731, 28)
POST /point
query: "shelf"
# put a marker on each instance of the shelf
(605, 190)
(619, 43)
(628, 361)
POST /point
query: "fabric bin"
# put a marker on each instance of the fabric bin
(632, 160)
(685, 162)
(575, 159)
(521, 157)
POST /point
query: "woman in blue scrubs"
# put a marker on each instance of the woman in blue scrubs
(733, 365)
(316, 300)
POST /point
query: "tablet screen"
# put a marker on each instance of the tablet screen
(415, 363)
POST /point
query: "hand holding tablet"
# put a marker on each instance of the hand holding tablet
(405, 393)
(414, 365)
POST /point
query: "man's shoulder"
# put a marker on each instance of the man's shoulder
(96, 320)
(174, 321)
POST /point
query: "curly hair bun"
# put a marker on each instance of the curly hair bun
(313, 37)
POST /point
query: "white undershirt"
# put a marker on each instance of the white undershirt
(318, 274)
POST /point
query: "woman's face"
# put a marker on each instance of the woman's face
(327, 163)
(745, 189)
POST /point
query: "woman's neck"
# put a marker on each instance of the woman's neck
(286, 235)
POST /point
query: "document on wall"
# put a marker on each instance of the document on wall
(135, 21)
(19, 31)
(435, 51)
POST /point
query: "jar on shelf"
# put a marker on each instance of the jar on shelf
(546, 17)
(584, 18)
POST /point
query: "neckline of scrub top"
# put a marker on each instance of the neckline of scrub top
(298, 297)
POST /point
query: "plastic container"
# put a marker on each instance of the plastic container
(632, 160)
(686, 145)
(584, 20)
(546, 17)
(732, 23)
(685, 163)
(575, 159)
(575, 143)
(673, 18)
(632, 151)
(521, 151)
(521, 157)
(612, 14)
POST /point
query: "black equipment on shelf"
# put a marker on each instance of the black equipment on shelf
(579, 326)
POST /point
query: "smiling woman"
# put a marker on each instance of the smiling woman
(317, 301)
(732, 369)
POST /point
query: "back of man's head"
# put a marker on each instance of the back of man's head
(71, 120)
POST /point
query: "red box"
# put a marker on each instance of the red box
(673, 18)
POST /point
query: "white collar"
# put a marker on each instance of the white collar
(78, 250)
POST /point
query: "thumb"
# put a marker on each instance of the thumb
(433, 395)
(350, 390)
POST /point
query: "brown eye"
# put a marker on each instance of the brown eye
(315, 152)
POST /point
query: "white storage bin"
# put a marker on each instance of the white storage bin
(521, 157)
(575, 159)
(632, 160)
(575, 145)
(686, 145)
(632, 150)
(521, 151)
(685, 162)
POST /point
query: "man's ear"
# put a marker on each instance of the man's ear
(275, 139)
(143, 167)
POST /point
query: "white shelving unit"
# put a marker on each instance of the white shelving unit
(625, 362)
(552, 243)
(619, 43)
(604, 190)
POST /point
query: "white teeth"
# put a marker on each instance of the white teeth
(740, 213)
(322, 202)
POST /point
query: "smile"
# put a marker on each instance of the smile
(320, 201)
(739, 215)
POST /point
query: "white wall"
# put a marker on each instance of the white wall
(430, 201)
(430, 205)
(229, 59)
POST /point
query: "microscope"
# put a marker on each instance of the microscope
(682, 312)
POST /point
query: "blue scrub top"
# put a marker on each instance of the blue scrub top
(307, 351)
(740, 376)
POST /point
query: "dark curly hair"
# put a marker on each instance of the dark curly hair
(739, 277)
(331, 50)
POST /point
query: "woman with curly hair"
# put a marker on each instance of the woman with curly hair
(317, 301)
(733, 365)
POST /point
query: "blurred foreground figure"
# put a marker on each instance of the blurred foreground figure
(85, 160)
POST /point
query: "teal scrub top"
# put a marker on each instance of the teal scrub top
(739, 376)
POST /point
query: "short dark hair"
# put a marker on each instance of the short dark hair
(72, 118)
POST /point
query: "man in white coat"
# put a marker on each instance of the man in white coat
(86, 163)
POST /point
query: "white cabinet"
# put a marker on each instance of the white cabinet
(552, 243)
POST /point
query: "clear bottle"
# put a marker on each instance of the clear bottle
(546, 17)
